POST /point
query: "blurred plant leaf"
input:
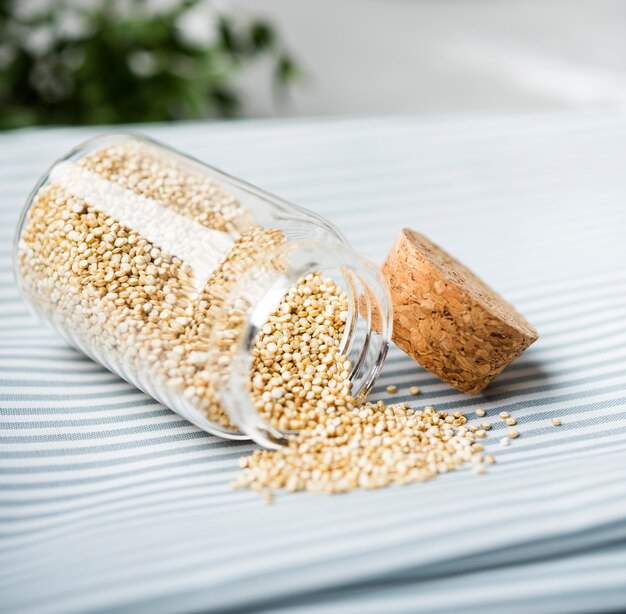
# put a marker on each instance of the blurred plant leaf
(287, 70)
(262, 35)
(122, 62)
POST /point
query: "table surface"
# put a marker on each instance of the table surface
(109, 501)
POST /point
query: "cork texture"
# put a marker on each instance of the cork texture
(448, 319)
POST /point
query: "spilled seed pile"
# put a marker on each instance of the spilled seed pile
(301, 381)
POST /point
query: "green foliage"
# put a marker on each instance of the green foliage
(121, 61)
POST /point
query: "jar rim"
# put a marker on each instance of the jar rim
(260, 293)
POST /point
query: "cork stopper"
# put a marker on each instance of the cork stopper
(448, 319)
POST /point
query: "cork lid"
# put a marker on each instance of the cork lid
(447, 319)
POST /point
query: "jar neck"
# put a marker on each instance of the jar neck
(257, 295)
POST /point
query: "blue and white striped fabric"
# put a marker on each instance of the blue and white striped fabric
(110, 502)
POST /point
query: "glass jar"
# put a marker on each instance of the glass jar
(143, 258)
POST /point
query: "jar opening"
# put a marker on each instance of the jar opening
(260, 292)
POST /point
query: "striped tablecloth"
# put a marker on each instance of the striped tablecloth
(110, 502)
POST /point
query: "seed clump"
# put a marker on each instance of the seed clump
(298, 372)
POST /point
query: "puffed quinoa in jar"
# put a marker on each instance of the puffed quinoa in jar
(167, 271)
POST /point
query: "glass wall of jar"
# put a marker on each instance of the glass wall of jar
(140, 257)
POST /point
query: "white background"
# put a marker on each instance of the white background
(432, 56)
